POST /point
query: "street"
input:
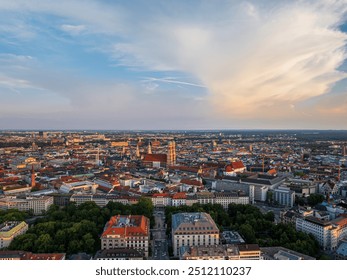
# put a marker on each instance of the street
(159, 242)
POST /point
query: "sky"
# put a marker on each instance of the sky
(153, 64)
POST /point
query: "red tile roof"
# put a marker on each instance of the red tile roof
(191, 182)
(237, 164)
(234, 165)
(181, 195)
(272, 171)
(186, 168)
(139, 226)
(155, 157)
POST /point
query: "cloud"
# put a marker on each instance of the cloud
(73, 29)
(48, 98)
(171, 80)
(279, 55)
(259, 60)
(102, 18)
(14, 83)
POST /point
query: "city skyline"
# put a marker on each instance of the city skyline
(160, 65)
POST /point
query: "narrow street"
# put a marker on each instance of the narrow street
(159, 242)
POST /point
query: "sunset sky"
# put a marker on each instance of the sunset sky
(151, 64)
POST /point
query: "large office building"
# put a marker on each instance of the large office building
(129, 232)
(327, 233)
(227, 198)
(193, 229)
(284, 196)
(9, 230)
(36, 204)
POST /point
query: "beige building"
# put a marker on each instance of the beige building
(130, 232)
(100, 199)
(16, 189)
(161, 199)
(227, 198)
(249, 251)
(120, 144)
(9, 230)
(193, 229)
(37, 204)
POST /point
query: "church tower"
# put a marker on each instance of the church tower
(149, 148)
(171, 153)
(137, 151)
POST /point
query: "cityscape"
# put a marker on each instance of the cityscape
(173, 130)
(160, 195)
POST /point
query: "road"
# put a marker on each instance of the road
(159, 242)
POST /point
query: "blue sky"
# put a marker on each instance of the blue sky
(173, 64)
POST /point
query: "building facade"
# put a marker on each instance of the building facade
(9, 230)
(327, 233)
(193, 229)
(161, 199)
(284, 196)
(127, 232)
(36, 204)
(227, 198)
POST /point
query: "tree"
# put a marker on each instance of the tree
(88, 243)
(299, 200)
(315, 199)
(44, 244)
(248, 233)
(74, 247)
(24, 242)
(270, 216)
(12, 215)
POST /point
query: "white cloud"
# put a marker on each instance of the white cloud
(258, 59)
(73, 29)
(172, 80)
(271, 56)
(14, 83)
